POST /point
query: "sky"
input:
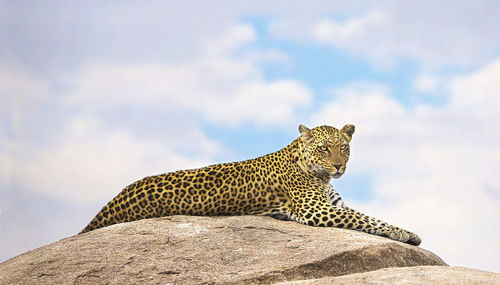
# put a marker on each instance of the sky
(98, 94)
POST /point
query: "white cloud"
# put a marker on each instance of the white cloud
(478, 93)
(435, 168)
(333, 32)
(426, 83)
(225, 90)
(435, 33)
(30, 92)
(361, 101)
(262, 103)
(93, 163)
(268, 56)
(234, 38)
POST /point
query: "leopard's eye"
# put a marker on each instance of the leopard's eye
(323, 148)
(344, 147)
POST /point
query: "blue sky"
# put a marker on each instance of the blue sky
(98, 94)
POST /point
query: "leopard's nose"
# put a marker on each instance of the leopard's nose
(337, 166)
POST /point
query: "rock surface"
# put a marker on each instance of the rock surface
(435, 275)
(186, 250)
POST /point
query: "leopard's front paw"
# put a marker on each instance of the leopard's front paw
(404, 236)
(408, 237)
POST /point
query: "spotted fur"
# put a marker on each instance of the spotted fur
(292, 183)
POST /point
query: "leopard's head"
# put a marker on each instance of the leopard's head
(324, 150)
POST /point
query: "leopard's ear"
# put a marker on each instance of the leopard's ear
(305, 133)
(348, 130)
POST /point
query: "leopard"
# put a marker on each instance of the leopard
(292, 183)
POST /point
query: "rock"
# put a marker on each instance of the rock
(186, 249)
(410, 275)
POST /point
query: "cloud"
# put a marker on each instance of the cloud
(234, 38)
(478, 93)
(224, 90)
(434, 168)
(330, 31)
(263, 103)
(388, 32)
(30, 92)
(426, 83)
(93, 163)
